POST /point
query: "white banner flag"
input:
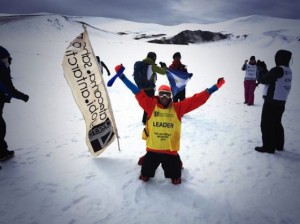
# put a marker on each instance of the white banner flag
(82, 73)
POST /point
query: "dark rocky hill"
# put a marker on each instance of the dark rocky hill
(186, 37)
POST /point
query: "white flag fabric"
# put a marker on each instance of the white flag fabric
(178, 80)
(82, 73)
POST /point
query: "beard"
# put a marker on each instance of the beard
(164, 101)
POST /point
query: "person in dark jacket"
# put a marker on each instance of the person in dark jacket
(278, 82)
(102, 65)
(7, 91)
(177, 65)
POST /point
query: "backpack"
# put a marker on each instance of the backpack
(140, 75)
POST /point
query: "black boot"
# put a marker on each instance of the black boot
(263, 149)
(6, 154)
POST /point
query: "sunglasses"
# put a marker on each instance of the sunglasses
(164, 93)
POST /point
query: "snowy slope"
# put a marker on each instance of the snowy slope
(54, 179)
(250, 25)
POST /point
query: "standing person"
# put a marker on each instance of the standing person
(102, 65)
(278, 82)
(7, 91)
(164, 126)
(177, 65)
(250, 80)
(152, 70)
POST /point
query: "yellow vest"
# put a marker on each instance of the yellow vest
(163, 130)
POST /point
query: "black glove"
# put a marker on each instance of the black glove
(25, 98)
(162, 64)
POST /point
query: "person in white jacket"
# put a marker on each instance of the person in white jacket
(250, 80)
(278, 82)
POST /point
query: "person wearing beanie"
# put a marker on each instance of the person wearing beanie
(250, 80)
(152, 71)
(163, 127)
(7, 91)
(278, 82)
(177, 65)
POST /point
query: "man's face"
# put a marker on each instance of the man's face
(177, 58)
(164, 98)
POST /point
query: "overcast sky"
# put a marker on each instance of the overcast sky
(167, 12)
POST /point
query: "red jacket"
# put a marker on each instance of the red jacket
(177, 65)
(181, 108)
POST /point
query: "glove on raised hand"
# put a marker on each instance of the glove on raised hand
(25, 98)
(162, 65)
(118, 67)
(220, 82)
(215, 87)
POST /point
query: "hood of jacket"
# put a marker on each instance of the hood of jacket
(283, 57)
(5, 62)
(4, 53)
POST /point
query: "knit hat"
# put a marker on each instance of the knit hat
(164, 88)
(4, 53)
(151, 55)
(176, 55)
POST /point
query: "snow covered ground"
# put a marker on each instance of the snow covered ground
(54, 179)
